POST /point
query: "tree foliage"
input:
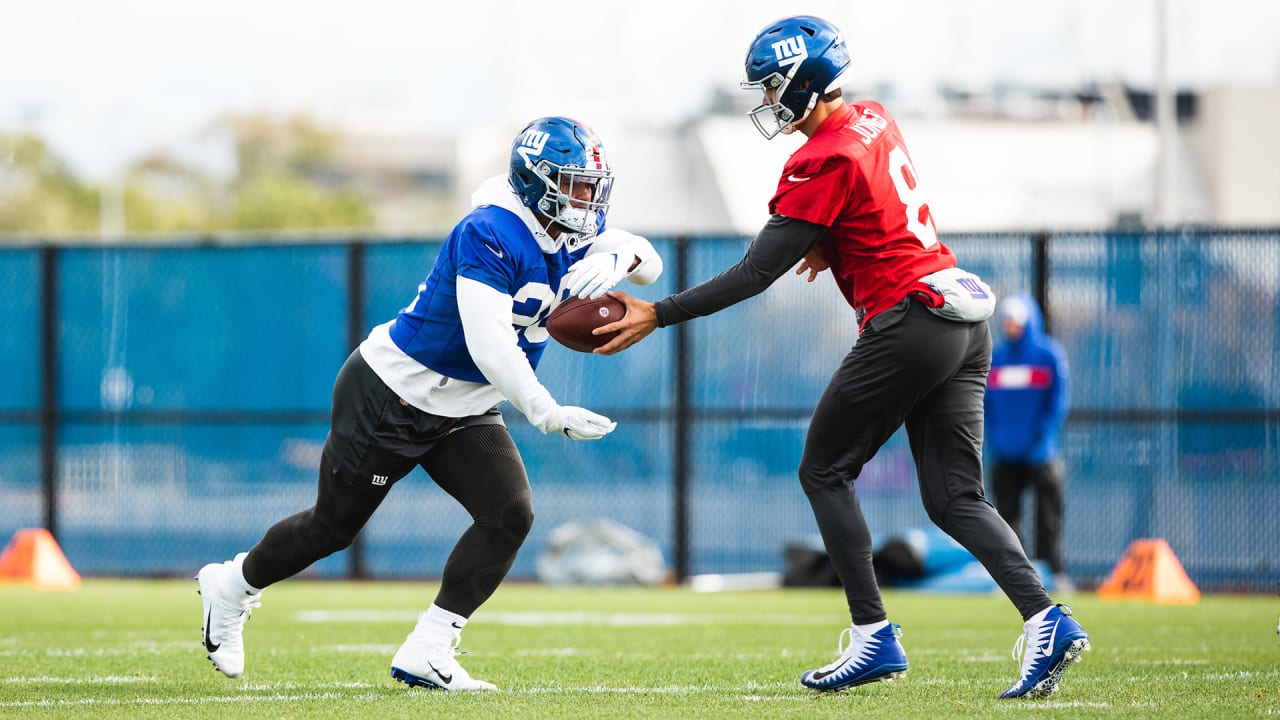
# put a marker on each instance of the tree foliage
(286, 177)
(38, 193)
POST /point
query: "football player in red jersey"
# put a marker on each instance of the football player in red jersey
(849, 200)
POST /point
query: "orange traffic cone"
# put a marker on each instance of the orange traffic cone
(33, 556)
(1150, 571)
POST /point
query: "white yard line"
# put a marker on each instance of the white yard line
(753, 692)
(222, 699)
(362, 648)
(1040, 705)
(102, 680)
(537, 619)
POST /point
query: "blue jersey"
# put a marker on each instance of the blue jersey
(493, 246)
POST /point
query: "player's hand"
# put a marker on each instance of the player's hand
(814, 262)
(581, 424)
(594, 275)
(640, 320)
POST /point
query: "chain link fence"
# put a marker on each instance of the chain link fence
(162, 405)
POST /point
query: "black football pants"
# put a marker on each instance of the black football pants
(374, 440)
(911, 366)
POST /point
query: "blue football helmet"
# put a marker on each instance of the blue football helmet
(797, 59)
(559, 170)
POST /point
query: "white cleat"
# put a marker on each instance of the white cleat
(422, 663)
(224, 619)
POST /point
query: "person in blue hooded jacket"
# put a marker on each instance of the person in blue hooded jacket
(1026, 404)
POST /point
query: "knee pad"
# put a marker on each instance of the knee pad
(960, 508)
(515, 519)
(327, 537)
(814, 478)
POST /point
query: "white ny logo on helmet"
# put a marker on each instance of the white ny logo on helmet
(532, 143)
(790, 51)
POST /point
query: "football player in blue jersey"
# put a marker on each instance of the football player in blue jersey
(423, 390)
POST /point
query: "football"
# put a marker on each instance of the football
(573, 320)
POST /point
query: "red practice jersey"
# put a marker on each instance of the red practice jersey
(855, 177)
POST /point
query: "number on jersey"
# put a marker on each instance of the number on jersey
(531, 326)
(912, 195)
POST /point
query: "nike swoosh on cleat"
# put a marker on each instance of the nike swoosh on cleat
(1047, 650)
(820, 675)
(208, 644)
(446, 678)
(495, 252)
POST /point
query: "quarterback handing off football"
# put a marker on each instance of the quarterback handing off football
(573, 320)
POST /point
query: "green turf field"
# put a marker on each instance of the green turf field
(131, 649)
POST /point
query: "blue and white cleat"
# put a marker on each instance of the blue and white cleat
(866, 659)
(1046, 648)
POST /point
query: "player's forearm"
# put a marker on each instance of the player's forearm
(492, 343)
(779, 245)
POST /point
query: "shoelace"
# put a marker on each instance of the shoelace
(840, 643)
(1020, 648)
(235, 610)
(1020, 645)
(846, 636)
(453, 645)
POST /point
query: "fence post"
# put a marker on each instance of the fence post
(1040, 276)
(355, 334)
(49, 385)
(683, 420)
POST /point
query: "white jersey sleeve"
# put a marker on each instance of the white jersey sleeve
(492, 341)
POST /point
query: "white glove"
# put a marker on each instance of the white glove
(577, 423)
(595, 275)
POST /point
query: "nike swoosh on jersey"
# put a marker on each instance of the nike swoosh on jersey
(495, 252)
(797, 178)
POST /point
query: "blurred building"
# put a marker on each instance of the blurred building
(1238, 151)
(408, 177)
(1014, 162)
(1013, 159)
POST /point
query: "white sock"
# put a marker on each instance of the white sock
(873, 627)
(1039, 617)
(237, 589)
(440, 625)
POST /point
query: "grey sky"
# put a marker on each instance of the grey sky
(107, 81)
